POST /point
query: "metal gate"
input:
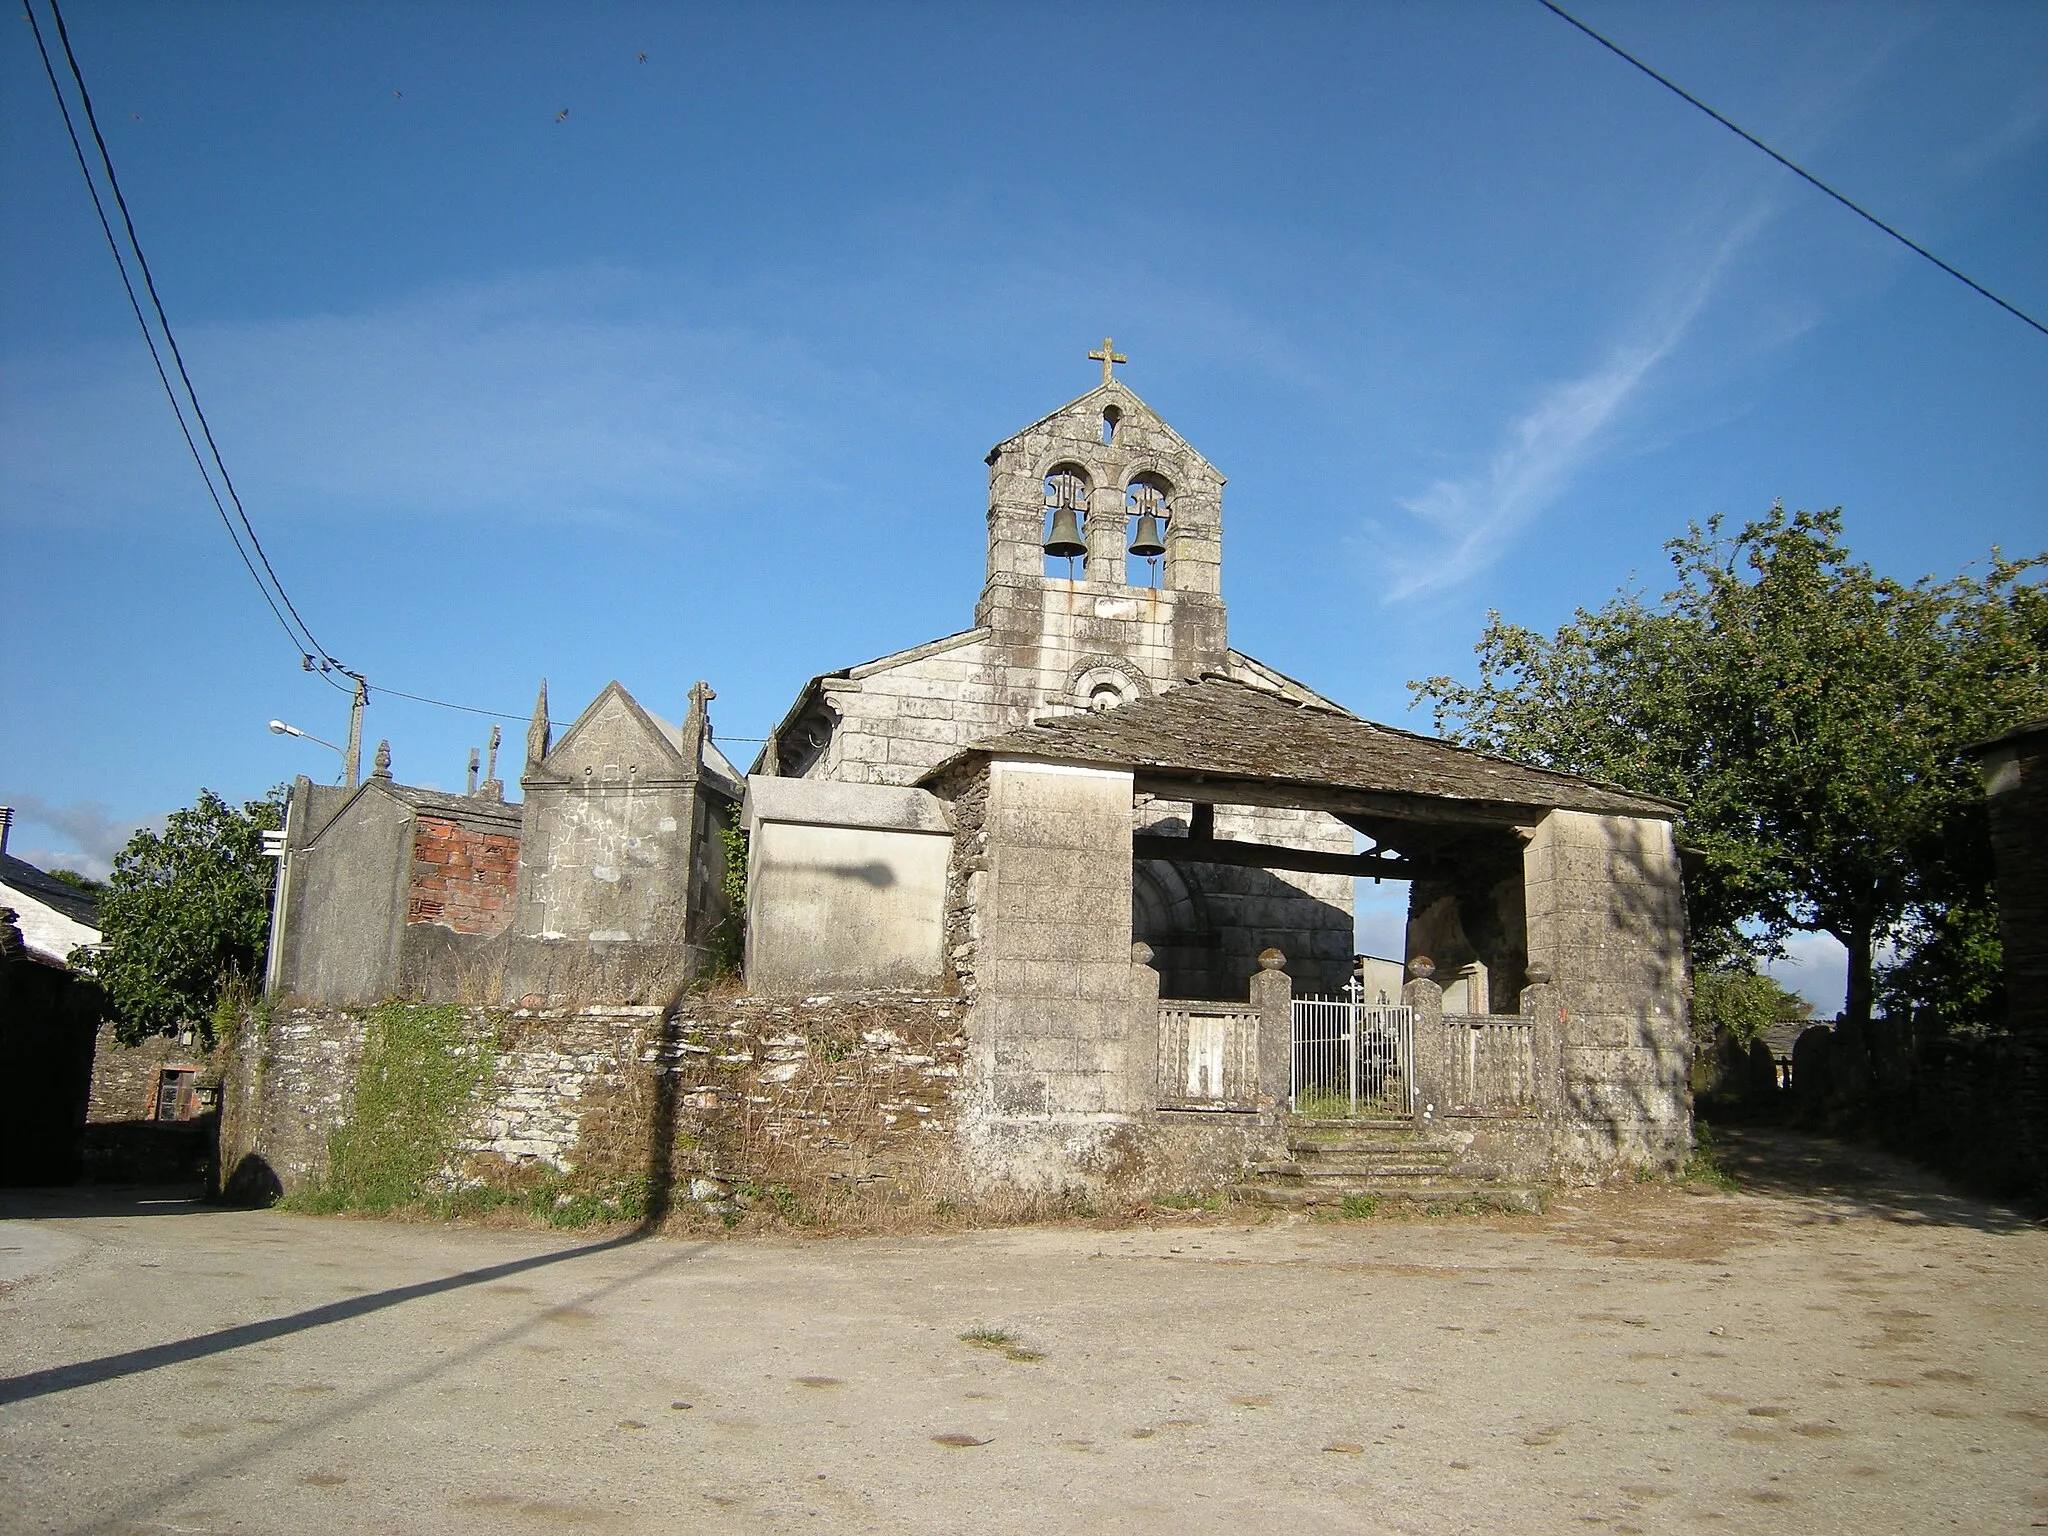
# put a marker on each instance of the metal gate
(1351, 1058)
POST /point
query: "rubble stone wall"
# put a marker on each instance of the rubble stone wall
(856, 1088)
(124, 1077)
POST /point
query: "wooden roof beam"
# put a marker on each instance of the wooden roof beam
(1206, 790)
(1224, 850)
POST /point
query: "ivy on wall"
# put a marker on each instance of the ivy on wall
(420, 1074)
(728, 943)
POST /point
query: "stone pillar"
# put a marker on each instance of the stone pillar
(1272, 993)
(1430, 1062)
(1607, 918)
(1546, 1042)
(1144, 1029)
(1051, 1034)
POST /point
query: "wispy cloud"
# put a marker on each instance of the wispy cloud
(1466, 521)
(591, 395)
(94, 832)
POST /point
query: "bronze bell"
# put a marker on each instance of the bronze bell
(1146, 540)
(1065, 538)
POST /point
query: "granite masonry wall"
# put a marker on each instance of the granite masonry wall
(1052, 1051)
(1606, 915)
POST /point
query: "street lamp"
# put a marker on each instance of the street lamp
(279, 728)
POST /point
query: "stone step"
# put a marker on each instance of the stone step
(1303, 1195)
(1385, 1168)
(1375, 1146)
(1362, 1123)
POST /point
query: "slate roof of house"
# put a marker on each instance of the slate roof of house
(1783, 1037)
(1227, 729)
(79, 906)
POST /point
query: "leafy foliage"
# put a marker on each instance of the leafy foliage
(1950, 973)
(186, 910)
(79, 882)
(1743, 1002)
(728, 941)
(420, 1071)
(1810, 715)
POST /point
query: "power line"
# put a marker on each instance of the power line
(467, 709)
(1801, 172)
(304, 642)
(149, 338)
(164, 322)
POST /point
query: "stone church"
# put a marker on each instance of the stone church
(1103, 859)
(1104, 586)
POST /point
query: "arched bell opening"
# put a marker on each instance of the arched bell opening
(1148, 515)
(1066, 507)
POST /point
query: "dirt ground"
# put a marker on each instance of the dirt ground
(1844, 1345)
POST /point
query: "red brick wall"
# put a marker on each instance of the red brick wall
(462, 879)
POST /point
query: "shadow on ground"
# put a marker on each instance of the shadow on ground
(83, 1201)
(1775, 1161)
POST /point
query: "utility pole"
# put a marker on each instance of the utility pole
(352, 760)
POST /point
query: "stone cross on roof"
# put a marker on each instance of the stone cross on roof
(1109, 357)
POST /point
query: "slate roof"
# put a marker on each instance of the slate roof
(436, 802)
(79, 906)
(1226, 729)
(1783, 1037)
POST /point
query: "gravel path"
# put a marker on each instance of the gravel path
(1845, 1346)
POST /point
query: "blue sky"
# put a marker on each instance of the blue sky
(697, 381)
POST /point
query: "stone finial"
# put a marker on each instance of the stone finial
(1539, 975)
(382, 770)
(538, 737)
(1271, 960)
(1141, 953)
(701, 695)
(1421, 967)
(474, 755)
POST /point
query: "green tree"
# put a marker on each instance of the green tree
(1742, 1001)
(1810, 715)
(186, 911)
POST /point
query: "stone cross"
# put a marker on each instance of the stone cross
(701, 694)
(1109, 357)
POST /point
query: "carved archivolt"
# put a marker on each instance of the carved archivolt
(1094, 679)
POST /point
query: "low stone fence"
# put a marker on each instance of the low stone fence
(717, 1094)
(1492, 1062)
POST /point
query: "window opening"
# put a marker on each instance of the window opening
(170, 1092)
(1111, 415)
(1066, 503)
(1105, 696)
